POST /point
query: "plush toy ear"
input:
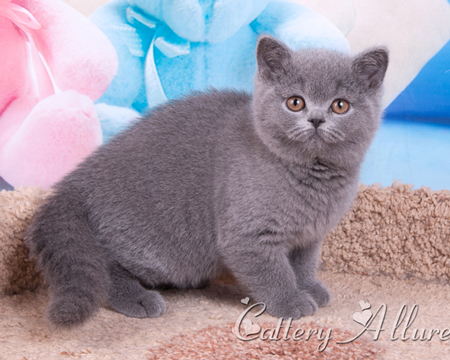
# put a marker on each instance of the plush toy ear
(371, 66)
(272, 57)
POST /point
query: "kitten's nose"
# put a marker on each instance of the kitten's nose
(316, 122)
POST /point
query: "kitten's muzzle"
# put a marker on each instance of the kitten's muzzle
(316, 122)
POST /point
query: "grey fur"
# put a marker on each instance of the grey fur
(215, 181)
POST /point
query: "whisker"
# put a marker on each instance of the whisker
(296, 132)
(334, 135)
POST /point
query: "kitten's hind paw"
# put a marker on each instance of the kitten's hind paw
(70, 311)
(148, 303)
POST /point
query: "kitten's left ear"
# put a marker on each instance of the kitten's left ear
(272, 56)
(371, 66)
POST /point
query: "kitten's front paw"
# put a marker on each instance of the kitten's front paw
(147, 304)
(301, 304)
(319, 293)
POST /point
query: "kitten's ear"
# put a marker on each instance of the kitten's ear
(272, 56)
(371, 66)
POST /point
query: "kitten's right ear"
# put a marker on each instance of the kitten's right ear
(371, 66)
(272, 57)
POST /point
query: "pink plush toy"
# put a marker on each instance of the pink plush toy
(53, 63)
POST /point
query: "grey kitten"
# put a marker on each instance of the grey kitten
(217, 180)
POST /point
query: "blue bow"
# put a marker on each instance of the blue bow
(164, 39)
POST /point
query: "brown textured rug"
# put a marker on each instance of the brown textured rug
(220, 342)
(393, 230)
(390, 252)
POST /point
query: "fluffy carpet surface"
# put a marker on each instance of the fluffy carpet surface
(17, 271)
(393, 230)
(184, 328)
(387, 267)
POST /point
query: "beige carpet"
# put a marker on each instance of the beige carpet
(390, 252)
(183, 329)
(393, 230)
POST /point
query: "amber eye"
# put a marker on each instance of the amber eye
(295, 103)
(340, 106)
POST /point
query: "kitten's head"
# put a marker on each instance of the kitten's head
(317, 105)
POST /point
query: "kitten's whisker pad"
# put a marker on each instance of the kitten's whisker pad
(300, 133)
(335, 135)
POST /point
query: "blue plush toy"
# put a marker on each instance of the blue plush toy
(167, 48)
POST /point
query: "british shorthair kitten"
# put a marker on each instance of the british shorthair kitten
(213, 181)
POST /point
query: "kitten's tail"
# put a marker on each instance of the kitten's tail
(74, 263)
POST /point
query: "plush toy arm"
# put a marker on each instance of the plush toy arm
(299, 27)
(79, 55)
(54, 137)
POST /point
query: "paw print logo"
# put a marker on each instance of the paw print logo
(363, 317)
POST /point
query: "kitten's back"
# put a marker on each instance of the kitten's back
(154, 181)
